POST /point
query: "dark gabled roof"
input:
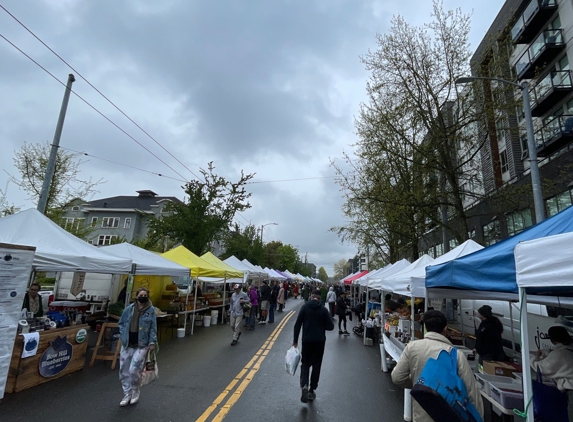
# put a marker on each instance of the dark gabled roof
(141, 202)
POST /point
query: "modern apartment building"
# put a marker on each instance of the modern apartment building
(117, 217)
(529, 40)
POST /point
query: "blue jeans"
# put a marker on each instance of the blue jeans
(252, 317)
(272, 308)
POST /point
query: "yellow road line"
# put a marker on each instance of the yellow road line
(252, 367)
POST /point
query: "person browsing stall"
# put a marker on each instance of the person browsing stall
(33, 301)
(138, 335)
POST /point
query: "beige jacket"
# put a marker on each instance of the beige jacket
(413, 360)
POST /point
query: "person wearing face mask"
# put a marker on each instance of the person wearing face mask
(138, 334)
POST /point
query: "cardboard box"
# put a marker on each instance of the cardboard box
(505, 369)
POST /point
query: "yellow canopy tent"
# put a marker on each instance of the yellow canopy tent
(199, 267)
(230, 271)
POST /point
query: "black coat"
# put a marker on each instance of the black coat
(341, 306)
(315, 320)
(265, 292)
(488, 341)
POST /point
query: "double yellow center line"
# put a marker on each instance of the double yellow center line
(245, 376)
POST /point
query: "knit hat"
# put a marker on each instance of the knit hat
(485, 311)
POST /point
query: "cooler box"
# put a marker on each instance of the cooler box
(63, 305)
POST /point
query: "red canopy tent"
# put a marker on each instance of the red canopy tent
(355, 277)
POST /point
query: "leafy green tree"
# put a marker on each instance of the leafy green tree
(322, 275)
(244, 244)
(207, 214)
(340, 269)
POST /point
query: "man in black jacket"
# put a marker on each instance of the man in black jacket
(265, 302)
(315, 320)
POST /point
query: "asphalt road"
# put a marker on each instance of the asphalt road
(203, 377)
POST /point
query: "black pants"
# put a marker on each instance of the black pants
(341, 319)
(311, 356)
(331, 307)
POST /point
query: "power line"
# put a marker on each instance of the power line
(91, 106)
(292, 180)
(99, 92)
(122, 164)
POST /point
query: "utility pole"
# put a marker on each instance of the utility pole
(43, 200)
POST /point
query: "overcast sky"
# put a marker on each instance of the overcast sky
(267, 86)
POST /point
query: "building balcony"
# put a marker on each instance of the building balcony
(542, 50)
(549, 91)
(556, 134)
(533, 18)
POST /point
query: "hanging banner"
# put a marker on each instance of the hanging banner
(15, 268)
(78, 283)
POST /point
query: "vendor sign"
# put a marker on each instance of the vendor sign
(56, 357)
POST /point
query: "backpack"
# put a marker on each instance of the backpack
(442, 393)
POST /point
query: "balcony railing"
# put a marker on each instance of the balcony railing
(532, 20)
(556, 133)
(549, 90)
(542, 49)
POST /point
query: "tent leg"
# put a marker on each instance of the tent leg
(407, 405)
(511, 325)
(194, 307)
(527, 388)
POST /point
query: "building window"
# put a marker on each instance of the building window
(491, 233)
(67, 223)
(439, 250)
(472, 234)
(76, 208)
(127, 223)
(518, 221)
(453, 243)
(504, 162)
(558, 203)
(106, 239)
(94, 221)
(110, 222)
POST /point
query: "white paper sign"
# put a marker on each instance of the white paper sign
(78, 283)
(15, 267)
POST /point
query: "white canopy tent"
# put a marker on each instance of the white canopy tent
(542, 264)
(248, 270)
(375, 282)
(273, 274)
(418, 281)
(400, 282)
(56, 249)
(146, 262)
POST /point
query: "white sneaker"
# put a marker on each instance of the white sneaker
(125, 400)
(134, 397)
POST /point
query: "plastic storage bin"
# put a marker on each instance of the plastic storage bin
(483, 381)
(509, 397)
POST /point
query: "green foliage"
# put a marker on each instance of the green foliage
(208, 213)
(340, 268)
(244, 244)
(322, 274)
(116, 309)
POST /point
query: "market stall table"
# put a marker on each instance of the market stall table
(185, 314)
(60, 352)
(506, 414)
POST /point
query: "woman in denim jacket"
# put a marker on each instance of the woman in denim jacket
(138, 334)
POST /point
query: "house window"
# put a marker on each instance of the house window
(67, 223)
(106, 239)
(491, 233)
(504, 162)
(439, 250)
(94, 221)
(127, 223)
(472, 234)
(518, 221)
(453, 243)
(76, 208)
(110, 222)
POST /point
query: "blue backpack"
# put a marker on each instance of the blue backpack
(442, 393)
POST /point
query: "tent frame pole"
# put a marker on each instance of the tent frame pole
(527, 387)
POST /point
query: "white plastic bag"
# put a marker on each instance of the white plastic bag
(292, 360)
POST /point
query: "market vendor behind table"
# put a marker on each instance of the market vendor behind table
(33, 301)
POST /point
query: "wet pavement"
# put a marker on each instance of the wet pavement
(202, 377)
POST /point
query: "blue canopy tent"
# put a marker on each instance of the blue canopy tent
(493, 269)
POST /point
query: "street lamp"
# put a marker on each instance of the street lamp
(534, 168)
(263, 226)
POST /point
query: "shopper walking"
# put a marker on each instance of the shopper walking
(331, 300)
(416, 354)
(238, 299)
(315, 321)
(341, 309)
(323, 293)
(273, 305)
(138, 335)
(305, 292)
(254, 298)
(266, 292)
(281, 298)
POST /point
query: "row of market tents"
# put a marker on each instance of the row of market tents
(535, 264)
(58, 250)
